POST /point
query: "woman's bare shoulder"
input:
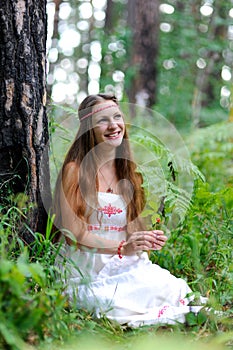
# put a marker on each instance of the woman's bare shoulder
(71, 166)
(70, 171)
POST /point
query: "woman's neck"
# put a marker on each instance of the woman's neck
(106, 159)
(106, 170)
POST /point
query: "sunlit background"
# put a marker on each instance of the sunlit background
(67, 74)
(78, 51)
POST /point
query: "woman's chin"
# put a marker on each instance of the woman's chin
(114, 142)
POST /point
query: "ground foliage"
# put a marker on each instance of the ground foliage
(34, 314)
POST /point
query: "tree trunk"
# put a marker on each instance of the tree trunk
(109, 17)
(23, 120)
(143, 18)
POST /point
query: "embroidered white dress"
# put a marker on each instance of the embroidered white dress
(130, 290)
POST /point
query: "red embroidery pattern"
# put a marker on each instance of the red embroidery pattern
(106, 228)
(161, 311)
(109, 210)
(182, 301)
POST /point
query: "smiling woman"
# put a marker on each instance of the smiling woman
(98, 201)
(108, 124)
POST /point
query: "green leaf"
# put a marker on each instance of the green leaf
(201, 318)
(11, 336)
(191, 319)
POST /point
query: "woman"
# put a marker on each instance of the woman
(99, 198)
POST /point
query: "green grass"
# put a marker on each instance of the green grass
(34, 314)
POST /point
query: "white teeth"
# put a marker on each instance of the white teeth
(113, 135)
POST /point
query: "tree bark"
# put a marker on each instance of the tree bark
(23, 120)
(143, 18)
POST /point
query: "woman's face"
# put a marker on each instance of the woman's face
(108, 123)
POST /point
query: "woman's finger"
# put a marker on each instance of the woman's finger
(162, 238)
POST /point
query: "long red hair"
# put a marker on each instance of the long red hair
(85, 186)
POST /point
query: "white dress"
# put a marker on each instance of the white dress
(130, 290)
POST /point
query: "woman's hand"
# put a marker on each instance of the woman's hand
(144, 240)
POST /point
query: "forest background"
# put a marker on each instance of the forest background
(175, 60)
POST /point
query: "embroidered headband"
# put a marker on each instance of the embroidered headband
(96, 111)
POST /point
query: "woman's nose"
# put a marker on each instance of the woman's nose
(111, 124)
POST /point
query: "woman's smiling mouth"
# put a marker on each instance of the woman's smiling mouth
(113, 135)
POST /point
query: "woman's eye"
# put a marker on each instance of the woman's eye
(103, 120)
(107, 120)
(118, 116)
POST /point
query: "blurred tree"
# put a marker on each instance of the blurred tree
(55, 37)
(205, 93)
(169, 55)
(109, 23)
(195, 48)
(23, 120)
(143, 19)
(73, 53)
